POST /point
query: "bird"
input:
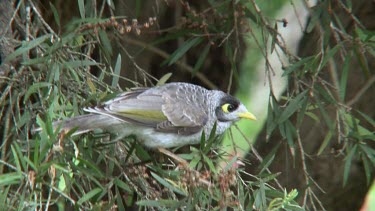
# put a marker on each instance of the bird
(164, 116)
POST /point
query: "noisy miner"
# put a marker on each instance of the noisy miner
(170, 115)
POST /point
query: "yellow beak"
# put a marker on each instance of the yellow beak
(247, 115)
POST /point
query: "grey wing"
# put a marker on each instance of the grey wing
(133, 108)
(172, 108)
(185, 105)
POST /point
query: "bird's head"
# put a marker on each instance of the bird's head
(230, 109)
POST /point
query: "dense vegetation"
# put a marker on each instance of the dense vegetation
(316, 149)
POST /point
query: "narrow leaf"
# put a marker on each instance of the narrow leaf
(348, 163)
(34, 88)
(210, 164)
(367, 167)
(116, 74)
(122, 185)
(26, 46)
(55, 14)
(81, 7)
(106, 43)
(268, 159)
(157, 203)
(10, 178)
(164, 79)
(79, 63)
(325, 142)
(89, 195)
(293, 106)
(368, 118)
(201, 59)
(329, 55)
(344, 77)
(180, 52)
(167, 184)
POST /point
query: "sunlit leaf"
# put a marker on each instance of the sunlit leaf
(164, 79)
(116, 74)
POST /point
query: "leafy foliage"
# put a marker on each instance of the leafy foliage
(58, 71)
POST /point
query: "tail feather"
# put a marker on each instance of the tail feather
(85, 123)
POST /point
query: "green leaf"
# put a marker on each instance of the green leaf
(210, 141)
(344, 77)
(348, 163)
(36, 60)
(329, 55)
(316, 13)
(10, 178)
(201, 59)
(158, 203)
(89, 195)
(273, 114)
(81, 7)
(171, 36)
(167, 184)
(142, 153)
(325, 142)
(34, 88)
(367, 167)
(138, 7)
(88, 165)
(106, 43)
(368, 118)
(313, 116)
(326, 94)
(293, 207)
(210, 164)
(302, 112)
(116, 75)
(270, 177)
(18, 156)
(4, 198)
(26, 46)
(290, 132)
(353, 123)
(323, 112)
(79, 63)
(267, 161)
(293, 106)
(369, 152)
(122, 185)
(180, 52)
(361, 58)
(119, 200)
(164, 79)
(55, 14)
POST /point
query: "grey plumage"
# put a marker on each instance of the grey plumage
(170, 115)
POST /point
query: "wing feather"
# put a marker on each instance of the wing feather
(171, 108)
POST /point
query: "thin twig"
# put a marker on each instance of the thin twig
(257, 155)
(362, 91)
(165, 55)
(40, 18)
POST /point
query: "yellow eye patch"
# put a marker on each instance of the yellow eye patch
(227, 107)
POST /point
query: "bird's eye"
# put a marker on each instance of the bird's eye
(227, 107)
